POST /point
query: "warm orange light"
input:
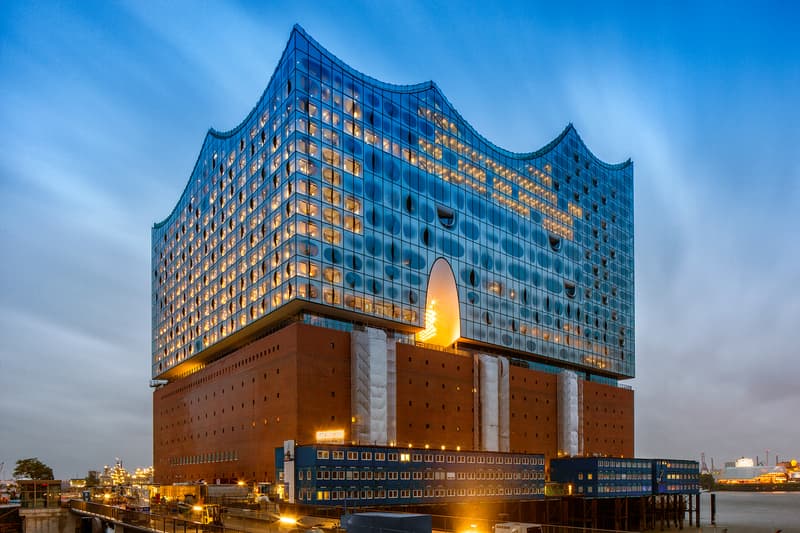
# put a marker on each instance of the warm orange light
(442, 313)
(334, 436)
(288, 520)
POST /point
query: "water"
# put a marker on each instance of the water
(751, 512)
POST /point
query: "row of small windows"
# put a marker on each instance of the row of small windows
(381, 475)
(325, 494)
(205, 458)
(339, 455)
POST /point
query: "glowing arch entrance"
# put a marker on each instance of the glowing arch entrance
(442, 315)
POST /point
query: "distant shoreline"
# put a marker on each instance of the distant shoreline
(758, 487)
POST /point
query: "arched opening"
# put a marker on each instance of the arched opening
(442, 315)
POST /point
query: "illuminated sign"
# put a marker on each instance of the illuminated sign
(332, 436)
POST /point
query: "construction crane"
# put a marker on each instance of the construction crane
(703, 466)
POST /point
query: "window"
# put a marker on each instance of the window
(331, 196)
(352, 166)
(332, 275)
(331, 235)
(352, 223)
(332, 176)
(306, 187)
(307, 227)
(352, 205)
(306, 208)
(331, 157)
(328, 135)
(332, 216)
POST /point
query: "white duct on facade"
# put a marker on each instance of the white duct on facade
(391, 389)
(476, 403)
(488, 398)
(369, 381)
(288, 469)
(503, 406)
(580, 417)
(493, 402)
(570, 401)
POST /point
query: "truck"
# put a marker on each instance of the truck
(517, 527)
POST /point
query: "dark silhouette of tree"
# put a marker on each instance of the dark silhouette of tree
(33, 468)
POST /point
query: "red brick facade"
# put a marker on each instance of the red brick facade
(225, 420)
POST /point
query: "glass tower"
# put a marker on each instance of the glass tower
(350, 198)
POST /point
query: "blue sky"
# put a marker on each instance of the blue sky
(105, 105)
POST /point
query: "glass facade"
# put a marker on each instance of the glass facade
(338, 193)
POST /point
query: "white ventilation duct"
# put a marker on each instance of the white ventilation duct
(369, 386)
(570, 402)
(493, 403)
(503, 406)
(391, 390)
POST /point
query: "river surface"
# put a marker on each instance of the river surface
(751, 512)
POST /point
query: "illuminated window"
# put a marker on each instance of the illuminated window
(306, 166)
(307, 227)
(332, 176)
(307, 147)
(331, 196)
(331, 235)
(330, 117)
(495, 287)
(332, 275)
(306, 208)
(352, 223)
(332, 216)
(352, 128)
(307, 187)
(331, 157)
(307, 269)
(352, 205)
(352, 108)
(352, 166)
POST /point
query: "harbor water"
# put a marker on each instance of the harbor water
(750, 512)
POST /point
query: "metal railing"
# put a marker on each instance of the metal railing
(147, 521)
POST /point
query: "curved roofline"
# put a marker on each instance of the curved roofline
(212, 132)
(397, 88)
(419, 87)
